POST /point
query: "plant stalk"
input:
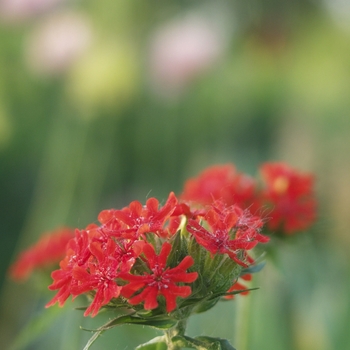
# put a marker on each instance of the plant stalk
(178, 329)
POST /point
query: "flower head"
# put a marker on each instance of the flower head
(290, 196)
(77, 254)
(116, 263)
(221, 182)
(231, 231)
(103, 267)
(92, 265)
(141, 259)
(136, 220)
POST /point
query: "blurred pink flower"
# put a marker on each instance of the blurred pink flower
(57, 43)
(19, 10)
(182, 50)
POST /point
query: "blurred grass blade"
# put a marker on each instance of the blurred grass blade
(36, 327)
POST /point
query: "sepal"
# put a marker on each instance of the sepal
(179, 249)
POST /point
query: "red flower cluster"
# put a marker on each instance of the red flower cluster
(221, 182)
(48, 251)
(178, 258)
(231, 231)
(99, 255)
(117, 259)
(284, 191)
(290, 196)
(116, 262)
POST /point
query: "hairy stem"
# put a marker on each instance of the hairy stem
(178, 329)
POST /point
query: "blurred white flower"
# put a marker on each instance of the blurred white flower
(182, 50)
(19, 10)
(57, 43)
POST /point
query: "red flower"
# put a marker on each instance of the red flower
(232, 231)
(290, 196)
(49, 250)
(138, 220)
(220, 182)
(77, 254)
(92, 266)
(160, 281)
(102, 269)
(111, 227)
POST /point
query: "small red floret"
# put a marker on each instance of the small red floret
(161, 280)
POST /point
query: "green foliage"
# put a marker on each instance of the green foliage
(159, 322)
(202, 343)
(157, 343)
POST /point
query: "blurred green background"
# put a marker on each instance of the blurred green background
(103, 102)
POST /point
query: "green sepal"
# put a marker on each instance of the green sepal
(157, 343)
(202, 343)
(199, 305)
(217, 272)
(205, 305)
(178, 251)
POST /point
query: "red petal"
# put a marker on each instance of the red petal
(151, 299)
(164, 253)
(152, 205)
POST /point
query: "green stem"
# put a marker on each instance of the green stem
(178, 329)
(242, 322)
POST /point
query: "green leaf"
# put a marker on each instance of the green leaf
(156, 322)
(157, 343)
(202, 343)
(239, 291)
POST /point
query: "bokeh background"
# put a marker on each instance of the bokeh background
(103, 102)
